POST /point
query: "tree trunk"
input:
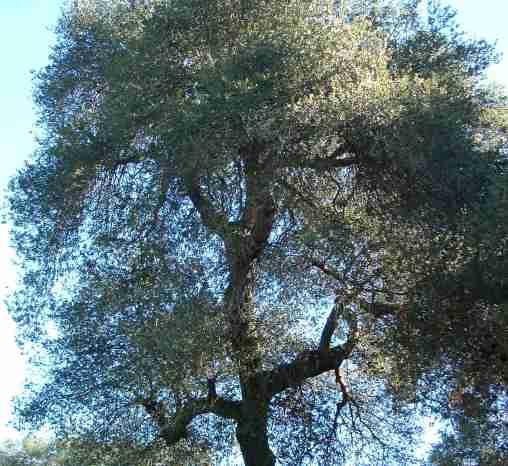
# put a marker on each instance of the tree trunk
(241, 314)
(252, 435)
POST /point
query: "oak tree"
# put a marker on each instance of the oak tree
(281, 223)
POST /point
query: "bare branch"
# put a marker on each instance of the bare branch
(346, 397)
(341, 384)
(347, 154)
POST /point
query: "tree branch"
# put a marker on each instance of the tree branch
(259, 210)
(380, 309)
(212, 390)
(350, 317)
(339, 311)
(330, 327)
(348, 153)
(346, 397)
(174, 428)
(310, 364)
(213, 219)
(307, 364)
(336, 159)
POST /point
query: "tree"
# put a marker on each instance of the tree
(78, 451)
(271, 221)
(31, 452)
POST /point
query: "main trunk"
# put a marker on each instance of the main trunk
(243, 250)
(252, 435)
(241, 314)
(252, 426)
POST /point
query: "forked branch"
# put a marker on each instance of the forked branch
(310, 364)
(174, 428)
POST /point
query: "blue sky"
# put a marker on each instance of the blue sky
(486, 19)
(25, 41)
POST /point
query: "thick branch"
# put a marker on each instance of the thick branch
(174, 429)
(330, 327)
(350, 317)
(213, 219)
(342, 385)
(310, 364)
(339, 311)
(307, 365)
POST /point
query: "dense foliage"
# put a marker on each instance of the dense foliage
(280, 222)
(30, 453)
(78, 451)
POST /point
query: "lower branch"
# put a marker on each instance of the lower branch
(306, 365)
(310, 364)
(174, 428)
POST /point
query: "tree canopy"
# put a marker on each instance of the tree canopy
(281, 224)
